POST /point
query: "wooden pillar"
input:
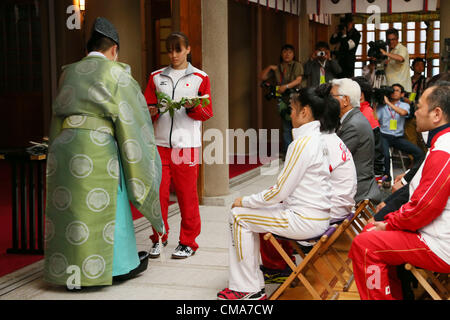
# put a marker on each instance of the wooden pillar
(215, 63)
(191, 25)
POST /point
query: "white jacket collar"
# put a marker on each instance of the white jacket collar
(306, 129)
(96, 54)
(190, 69)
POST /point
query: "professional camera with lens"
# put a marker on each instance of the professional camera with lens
(378, 94)
(272, 92)
(374, 49)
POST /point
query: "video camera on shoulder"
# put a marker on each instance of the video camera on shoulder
(374, 49)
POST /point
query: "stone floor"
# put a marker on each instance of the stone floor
(197, 278)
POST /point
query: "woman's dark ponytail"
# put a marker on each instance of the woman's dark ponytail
(329, 121)
(308, 97)
(323, 106)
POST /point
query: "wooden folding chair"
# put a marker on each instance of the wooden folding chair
(357, 222)
(435, 284)
(362, 215)
(328, 250)
(319, 250)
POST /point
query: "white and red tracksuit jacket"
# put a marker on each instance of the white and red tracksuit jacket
(343, 177)
(184, 129)
(428, 210)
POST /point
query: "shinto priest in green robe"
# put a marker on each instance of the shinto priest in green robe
(102, 154)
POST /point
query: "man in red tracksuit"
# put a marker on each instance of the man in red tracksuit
(179, 140)
(419, 232)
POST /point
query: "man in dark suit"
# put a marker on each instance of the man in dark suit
(356, 132)
(347, 38)
(321, 68)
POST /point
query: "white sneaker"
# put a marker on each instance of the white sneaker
(182, 252)
(155, 250)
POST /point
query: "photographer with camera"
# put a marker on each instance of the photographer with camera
(347, 38)
(419, 82)
(397, 66)
(391, 117)
(321, 68)
(288, 76)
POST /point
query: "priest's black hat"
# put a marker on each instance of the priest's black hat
(106, 28)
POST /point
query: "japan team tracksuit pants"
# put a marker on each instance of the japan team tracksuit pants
(181, 167)
(244, 247)
(375, 255)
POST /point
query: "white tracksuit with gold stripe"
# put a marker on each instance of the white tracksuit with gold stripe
(297, 206)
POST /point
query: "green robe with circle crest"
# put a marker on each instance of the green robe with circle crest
(100, 118)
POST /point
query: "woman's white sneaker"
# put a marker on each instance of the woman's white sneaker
(182, 252)
(155, 250)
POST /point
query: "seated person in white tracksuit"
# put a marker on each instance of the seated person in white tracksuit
(342, 168)
(343, 184)
(297, 206)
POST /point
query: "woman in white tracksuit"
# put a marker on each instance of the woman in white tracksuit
(342, 178)
(297, 206)
(342, 168)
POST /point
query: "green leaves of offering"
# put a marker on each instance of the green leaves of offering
(166, 104)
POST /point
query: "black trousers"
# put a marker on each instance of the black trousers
(378, 164)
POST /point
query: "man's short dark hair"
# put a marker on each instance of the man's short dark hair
(400, 86)
(392, 31)
(440, 97)
(417, 60)
(288, 47)
(99, 43)
(322, 44)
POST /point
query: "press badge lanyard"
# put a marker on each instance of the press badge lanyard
(283, 71)
(393, 121)
(322, 72)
